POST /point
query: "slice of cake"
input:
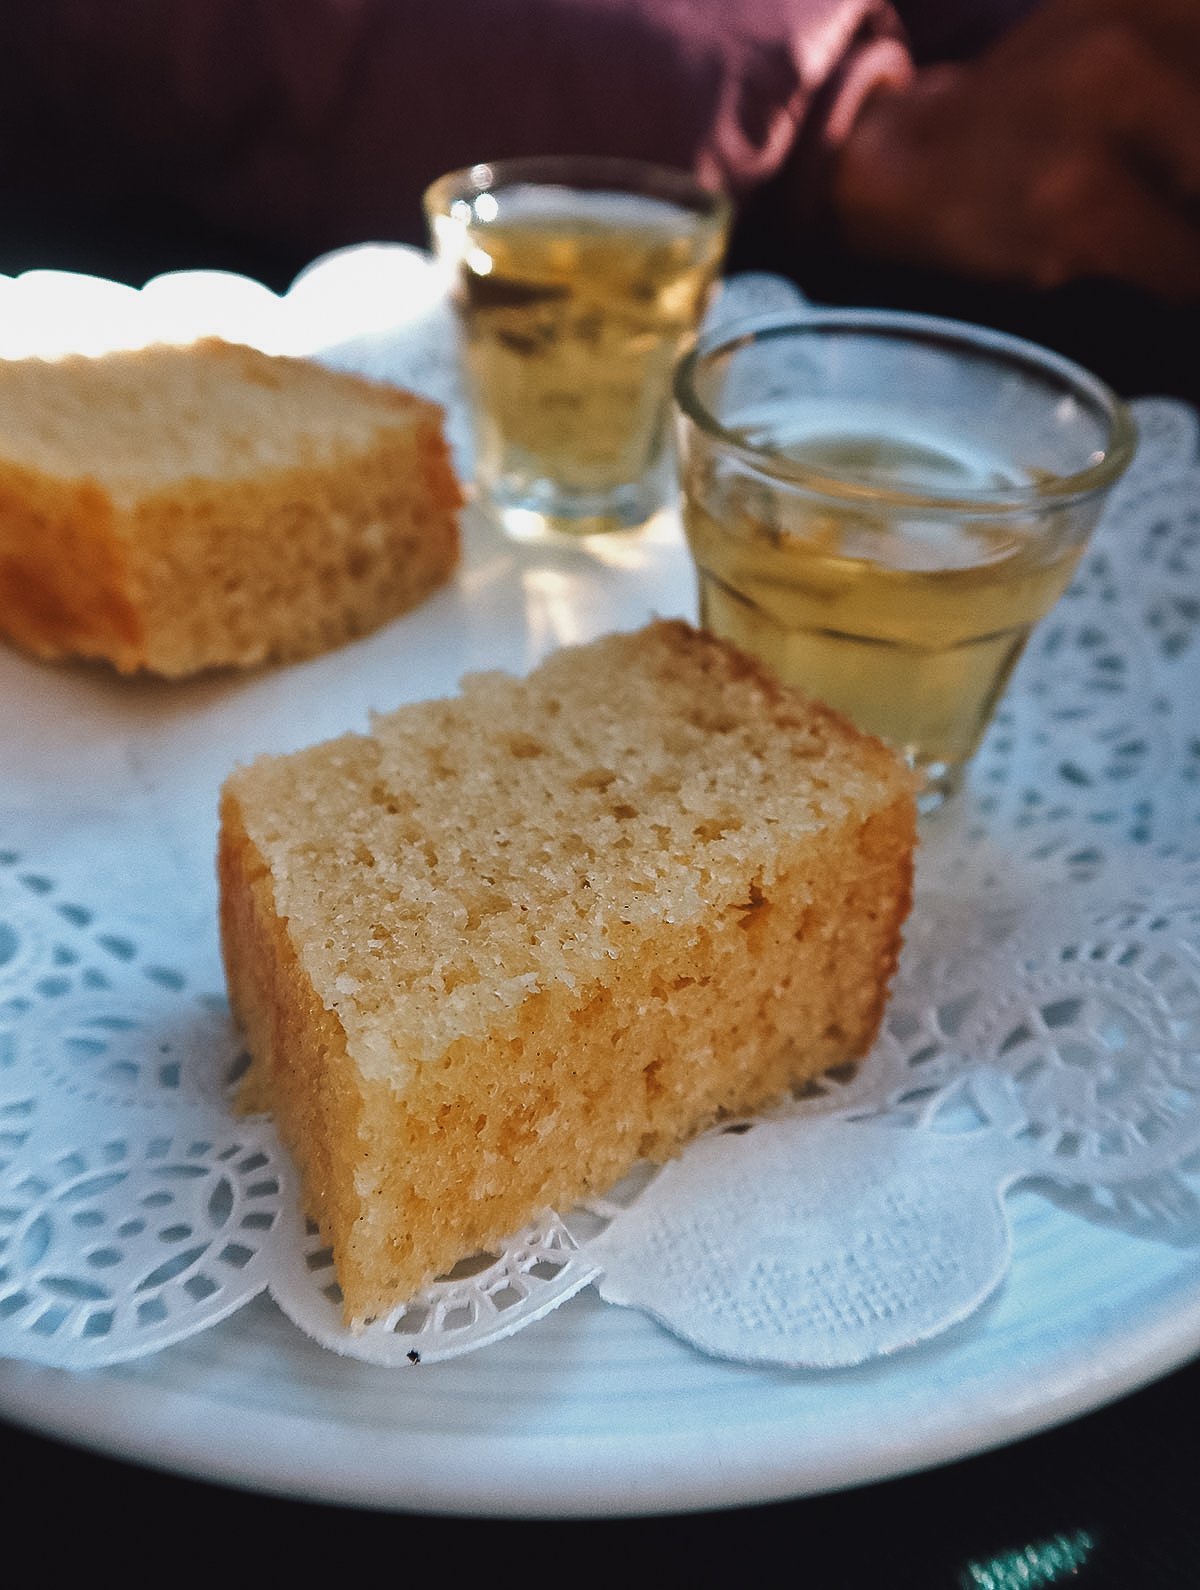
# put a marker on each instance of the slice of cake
(491, 955)
(180, 508)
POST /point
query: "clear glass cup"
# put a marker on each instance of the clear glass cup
(578, 283)
(881, 506)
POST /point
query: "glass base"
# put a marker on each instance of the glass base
(540, 512)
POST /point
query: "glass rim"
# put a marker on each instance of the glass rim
(902, 326)
(616, 173)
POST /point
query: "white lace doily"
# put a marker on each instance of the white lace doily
(1044, 1029)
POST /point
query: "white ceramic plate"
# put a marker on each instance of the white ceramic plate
(595, 1410)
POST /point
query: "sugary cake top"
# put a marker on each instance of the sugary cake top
(528, 833)
(138, 421)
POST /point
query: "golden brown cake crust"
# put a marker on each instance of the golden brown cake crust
(260, 508)
(762, 959)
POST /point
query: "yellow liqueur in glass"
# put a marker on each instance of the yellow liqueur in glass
(575, 303)
(883, 552)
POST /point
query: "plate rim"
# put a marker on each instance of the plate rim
(304, 1457)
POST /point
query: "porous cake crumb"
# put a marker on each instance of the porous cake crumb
(497, 951)
(184, 507)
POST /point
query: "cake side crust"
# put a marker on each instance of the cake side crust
(65, 582)
(299, 1071)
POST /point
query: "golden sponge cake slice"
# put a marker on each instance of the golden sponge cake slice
(494, 953)
(179, 508)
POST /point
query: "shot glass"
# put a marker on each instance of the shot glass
(578, 283)
(881, 506)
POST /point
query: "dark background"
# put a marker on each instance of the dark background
(1118, 1486)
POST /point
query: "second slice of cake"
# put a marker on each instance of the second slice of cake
(177, 508)
(494, 953)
